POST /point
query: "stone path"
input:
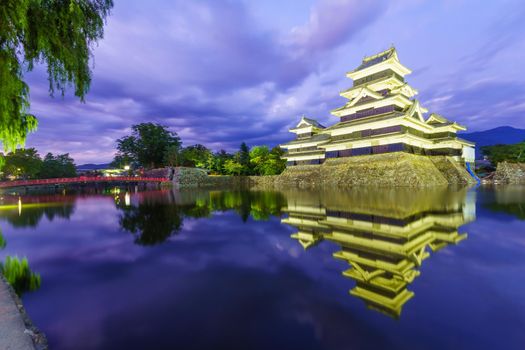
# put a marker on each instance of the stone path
(13, 335)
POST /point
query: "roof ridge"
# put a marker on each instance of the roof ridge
(388, 51)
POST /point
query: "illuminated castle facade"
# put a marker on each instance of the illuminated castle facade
(381, 116)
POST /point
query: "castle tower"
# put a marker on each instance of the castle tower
(381, 116)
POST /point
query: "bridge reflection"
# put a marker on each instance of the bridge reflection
(82, 180)
(383, 235)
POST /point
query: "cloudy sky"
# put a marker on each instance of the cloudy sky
(219, 72)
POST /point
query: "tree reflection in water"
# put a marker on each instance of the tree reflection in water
(152, 217)
(28, 211)
(34, 208)
(152, 221)
(509, 200)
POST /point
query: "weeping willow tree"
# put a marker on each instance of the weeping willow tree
(59, 34)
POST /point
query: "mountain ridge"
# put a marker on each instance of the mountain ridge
(504, 135)
(92, 166)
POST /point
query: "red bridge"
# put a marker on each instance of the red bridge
(80, 180)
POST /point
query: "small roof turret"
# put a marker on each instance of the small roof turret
(309, 122)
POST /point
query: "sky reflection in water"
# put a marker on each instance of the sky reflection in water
(201, 269)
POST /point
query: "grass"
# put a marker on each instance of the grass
(17, 272)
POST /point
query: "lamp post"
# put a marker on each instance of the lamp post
(127, 168)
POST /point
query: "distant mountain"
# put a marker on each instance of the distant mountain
(93, 166)
(502, 135)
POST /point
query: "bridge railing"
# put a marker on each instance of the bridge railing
(80, 179)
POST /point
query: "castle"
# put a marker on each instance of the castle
(379, 117)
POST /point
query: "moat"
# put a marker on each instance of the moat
(347, 269)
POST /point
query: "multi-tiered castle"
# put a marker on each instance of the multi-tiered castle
(380, 116)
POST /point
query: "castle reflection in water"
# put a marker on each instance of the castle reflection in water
(383, 235)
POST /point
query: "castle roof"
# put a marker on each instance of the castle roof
(311, 122)
(378, 58)
(313, 138)
(437, 119)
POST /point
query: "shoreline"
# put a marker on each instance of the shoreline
(17, 331)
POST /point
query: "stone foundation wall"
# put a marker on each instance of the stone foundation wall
(385, 170)
(192, 177)
(159, 172)
(510, 173)
(262, 182)
(454, 172)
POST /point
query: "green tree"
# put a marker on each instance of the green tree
(514, 153)
(120, 161)
(61, 165)
(258, 157)
(275, 163)
(243, 157)
(266, 162)
(58, 33)
(172, 156)
(22, 163)
(196, 156)
(147, 145)
(217, 160)
(232, 167)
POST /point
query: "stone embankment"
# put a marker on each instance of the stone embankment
(387, 170)
(183, 177)
(509, 173)
(192, 177)
(16, 330)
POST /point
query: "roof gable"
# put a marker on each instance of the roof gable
(437, 119)
(416, 111)
(364, 92)
(305, 122)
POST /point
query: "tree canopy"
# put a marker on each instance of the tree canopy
(266, 162)
(61, 165)
(57, 33)
(514, 153)
(27, 164)
(153, 145)
(195, 156)
(147, 145)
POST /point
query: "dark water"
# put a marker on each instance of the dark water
(396, 269)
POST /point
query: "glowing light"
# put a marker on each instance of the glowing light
(126, 167)
(115, 190)
(127, 199)
(19, 206)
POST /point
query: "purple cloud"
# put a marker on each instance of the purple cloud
(227, 71)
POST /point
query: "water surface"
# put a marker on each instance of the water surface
(360, 269)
